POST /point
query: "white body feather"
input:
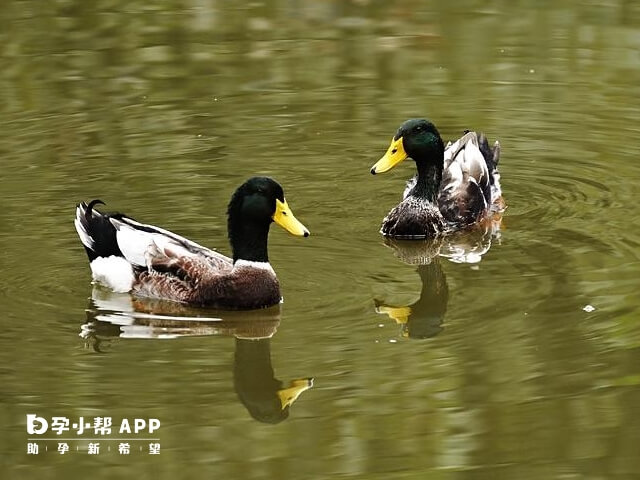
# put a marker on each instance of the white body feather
(113, 272)
(253, 265)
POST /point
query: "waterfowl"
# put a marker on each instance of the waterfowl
(149, 261)
(455, 187)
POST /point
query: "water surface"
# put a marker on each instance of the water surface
(524, 364)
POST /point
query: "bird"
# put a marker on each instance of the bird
(149, 261)
(456, 186)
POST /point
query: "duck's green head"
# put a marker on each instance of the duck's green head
(416, 138)
(254, 205)
(259, 201)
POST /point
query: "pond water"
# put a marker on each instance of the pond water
(524, 363)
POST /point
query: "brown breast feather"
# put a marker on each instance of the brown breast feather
(203, 281)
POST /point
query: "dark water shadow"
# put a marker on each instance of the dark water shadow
(112, 317)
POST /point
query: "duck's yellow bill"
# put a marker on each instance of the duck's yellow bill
(395, 154)
(289, 395)
(399, 314)
(284, 217)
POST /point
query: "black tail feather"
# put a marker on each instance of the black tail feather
(102, 233)
(491, 156)
(92, 203)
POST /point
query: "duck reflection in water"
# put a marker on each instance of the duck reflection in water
(424, 318)
(265, 397)
(112, 316)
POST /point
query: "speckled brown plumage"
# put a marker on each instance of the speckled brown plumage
(255, 289)
(413, 218)
(196, 281)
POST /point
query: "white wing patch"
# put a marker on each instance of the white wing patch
(463, 160)
(455, 170)
(167, 233)
(132, 243)
(474, 161)
(180, 245)
(137, 245)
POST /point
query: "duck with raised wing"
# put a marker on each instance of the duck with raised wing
(456, 186)
(149, 261)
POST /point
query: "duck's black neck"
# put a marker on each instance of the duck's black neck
(429, 177)
(248, 241)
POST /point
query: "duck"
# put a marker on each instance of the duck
(148, 261)
(456, 186)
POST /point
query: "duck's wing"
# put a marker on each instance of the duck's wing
(119, 247)
(464, 162)
(138, 241)
(465, 189)
(192, 280)
(173, 275)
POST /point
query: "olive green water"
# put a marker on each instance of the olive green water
(524, 365)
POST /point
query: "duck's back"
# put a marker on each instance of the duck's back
(469, 179)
